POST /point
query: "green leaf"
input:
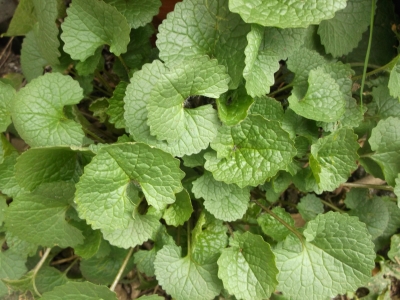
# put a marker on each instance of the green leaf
(170, 93)
(180, 211)
(394, 252)
(90, 24)
(102, 270)
(12, 265)
(3, 208)
(37, 111)
(210, 33)
(137, 12)
(40, 165)
(233, 106)
(286, 14)
(301, 62)
(397, 188)
(394, 80)
(116, 107)
(80, 291)
(45, 209)
(226, 202)
(44, 281)
(184, 278)
(46, 30)
(267, 107)
(22, 247)
(272, 227)
(89, 65)
(323, 100)
(296, 125)
(333, 158)
(92, 243)
(202, 123)
(309, 207)
(208, 239)
(144, 259)
(250, 152)
(342, 33)
(113, 178)
(337, 246)
(8, 183)
(7, 94)
(383, 104)
(266, 46)
(373, 212)
(247, 268)
(32, 62)
(195, 160)
(23, 20)
(385, 141)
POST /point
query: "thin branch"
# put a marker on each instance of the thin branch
(124, 64)
(121, 270)
(71, 265)
(371, 27)
(6, 47)
(230, 229)
(286, 87)
(37, 268)
(331, 206)
(368, 186)
(64, 260)
(275, 216)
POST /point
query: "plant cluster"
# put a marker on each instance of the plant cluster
(173, 163)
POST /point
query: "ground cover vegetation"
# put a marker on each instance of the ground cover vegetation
(243, 149)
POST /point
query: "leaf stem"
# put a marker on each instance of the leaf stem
(368, 186)
(100, 78)
(361, 64)
(71, 265)
(93, 135)
(188, 238)
(275, 216)
(331, 206)
(37, 268)
(124, 64)
(371, 29)
(121, 270)
(281, 89)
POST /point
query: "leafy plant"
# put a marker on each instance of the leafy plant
(222, 161)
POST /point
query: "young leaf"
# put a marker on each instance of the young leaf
(90, 24)
(385, 141)
(272, 227)
(210, 33)
(266, 46)
(250, 152)
(79, 291)
(286, 14)
(337, 246)
(40, 165)
(226, 202)
(333, 158)
(137, 12)
(342, 33)
(45, 209)
(184, 278)
(394, 81)
(323, 100)
(233, 106)
(201, 127)
(180, 211)
(247, 268)
(309, 207)
(200, 76)
(7, 94)
(37, 111)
